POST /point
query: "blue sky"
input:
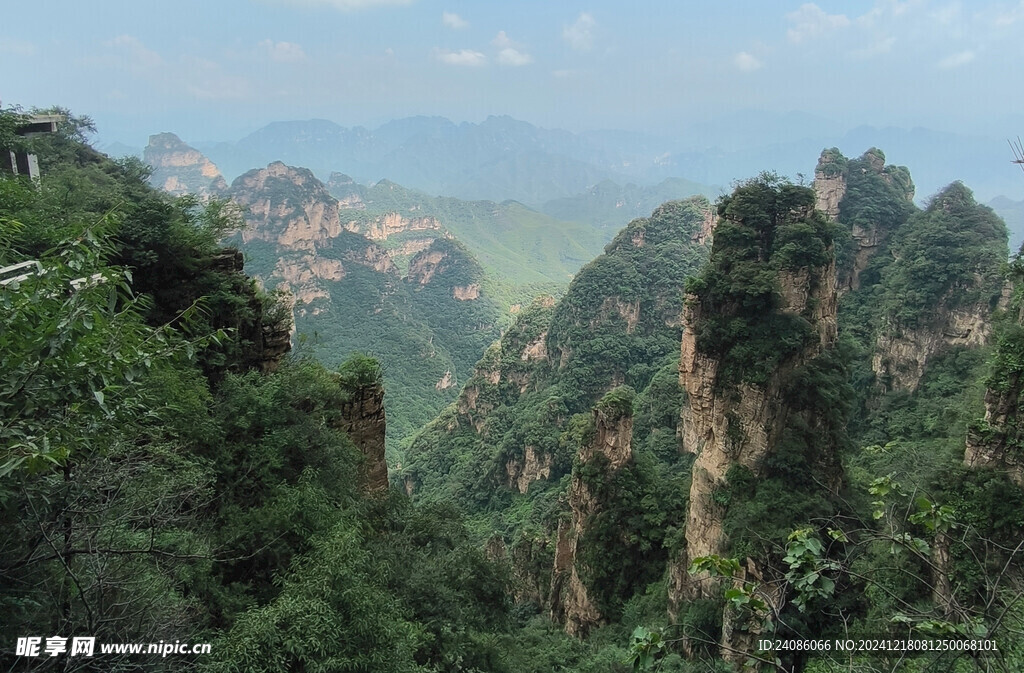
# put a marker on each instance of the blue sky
(219, 69)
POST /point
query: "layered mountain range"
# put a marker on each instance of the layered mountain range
(677, 437)
(502, 158)
(818, 321)
(422, 282)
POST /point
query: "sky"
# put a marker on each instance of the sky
(219, 69)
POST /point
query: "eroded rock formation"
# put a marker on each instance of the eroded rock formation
(363, 418)
(600, 457)
(739, 404)
(880, 198)
(383, 227)
(941, 287)
(286, 206)
(179, 169)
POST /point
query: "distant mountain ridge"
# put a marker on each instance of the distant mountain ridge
(503, 158)
(498, 159)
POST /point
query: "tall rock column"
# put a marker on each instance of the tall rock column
(601, 455)
(763, 310)
(362, 417)
(365, 424)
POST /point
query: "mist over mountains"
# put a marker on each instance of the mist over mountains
(502, 158)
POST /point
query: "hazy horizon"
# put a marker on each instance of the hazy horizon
(217, 71)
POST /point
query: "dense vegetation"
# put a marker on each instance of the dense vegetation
(618, 323)
(163, 476)
(426, 337)
(524, 252)
(155, 486)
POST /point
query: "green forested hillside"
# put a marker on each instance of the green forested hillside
(918, 293)
(618, 323)
(168, 472)
(164, 478)
(523, 251)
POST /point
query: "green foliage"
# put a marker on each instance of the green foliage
(421, 334)
(768, 232)
(808, 572)
(616, 403)
(523, 252)
(615, 324)
(360, 371)
(950, 255)
(627, 542)
(332, 613)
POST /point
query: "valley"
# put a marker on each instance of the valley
(517, 439)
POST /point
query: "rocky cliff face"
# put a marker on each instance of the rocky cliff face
(388, 225)
(902, 353)
(268, 337)
(741, 426)
(179, 169)
(364, 420)
(599, 458)
(286, 206)
(292, 211)
(941, 287)
(866, 196)
(498, 375)
(347, 191)
(739, 389)
(830, 183)
(996, 441)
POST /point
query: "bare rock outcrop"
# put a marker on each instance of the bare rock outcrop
(870, 225)
(608, 449)
(179, 169)
(286, 206)
(468, 292)
(383, 227)
(533, 466)
(902, 353)
(994, 441)
(932, 306)
(363, 418)
(739, 405)
(830, 183)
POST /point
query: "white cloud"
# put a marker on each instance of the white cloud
(580, 34)
(502, 40)
(562, 74)
(282, 52)
(466, 57)
(1010, 17)
(747, 62)
(343, 5)
(513, 57)
(510, 52)
(811, 21)
(885, 11)
(16, 47)
(454, 21)
(958, 59)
